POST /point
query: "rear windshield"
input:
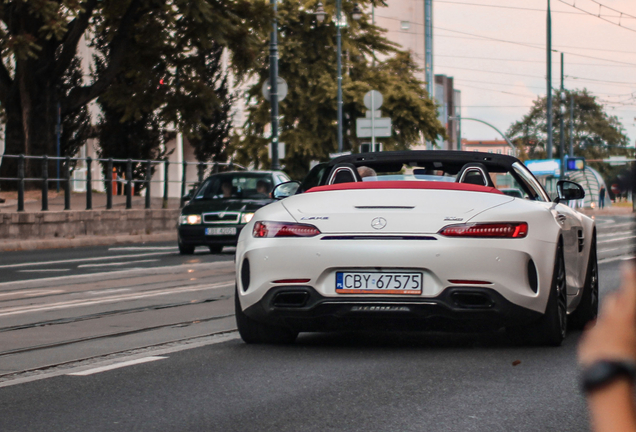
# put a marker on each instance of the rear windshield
(236, 186)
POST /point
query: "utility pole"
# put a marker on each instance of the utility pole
(549, 81)
(428, 44)
(339, 72)
(273, 86)
(571, 152)
(561, 118)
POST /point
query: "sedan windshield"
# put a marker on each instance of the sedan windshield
(236, 186)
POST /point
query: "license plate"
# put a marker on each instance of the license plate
(221, 231)
(378, 283)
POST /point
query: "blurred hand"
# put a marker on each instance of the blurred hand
(613, 337)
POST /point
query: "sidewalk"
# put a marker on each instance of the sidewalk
(33, 201)
(614, 210)
(33, 204)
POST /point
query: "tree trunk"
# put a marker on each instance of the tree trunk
(30, 130)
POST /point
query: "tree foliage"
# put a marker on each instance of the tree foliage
(137, 42)
(307, 62)
(596, 135)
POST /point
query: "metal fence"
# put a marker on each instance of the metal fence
(130, 185)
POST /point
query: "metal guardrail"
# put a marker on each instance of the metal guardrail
(129, 182)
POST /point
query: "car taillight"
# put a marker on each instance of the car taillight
(267, 229)
(505, 230)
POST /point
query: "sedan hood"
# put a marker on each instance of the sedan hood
(404, 211)
(219, 205)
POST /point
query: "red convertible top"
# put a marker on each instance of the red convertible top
(406, 185)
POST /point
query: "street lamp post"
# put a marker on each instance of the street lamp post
(273, 90)
(320, 16)
(514, 150)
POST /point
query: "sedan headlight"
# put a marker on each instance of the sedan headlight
(189, 219)
(246, 217)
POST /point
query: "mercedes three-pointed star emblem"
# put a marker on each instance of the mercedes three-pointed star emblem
(378, 223)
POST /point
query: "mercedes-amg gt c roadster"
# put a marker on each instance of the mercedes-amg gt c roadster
(417, 240)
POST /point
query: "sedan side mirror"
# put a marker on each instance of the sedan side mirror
(568, 190)
(285, 190)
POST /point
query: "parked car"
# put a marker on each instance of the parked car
(220, 207)
(408, 249)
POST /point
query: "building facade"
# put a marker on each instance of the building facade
(495, 146)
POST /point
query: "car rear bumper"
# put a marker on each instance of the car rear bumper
(456, 308)
(195, 235)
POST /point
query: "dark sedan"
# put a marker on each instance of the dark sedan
(221, 207)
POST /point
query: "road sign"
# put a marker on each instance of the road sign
(281, 150)
(381, 127)
(373, 100)
(282, 89)
(575, 164)
(617, 160)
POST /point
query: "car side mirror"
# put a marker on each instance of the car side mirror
(568, 190)
(285, 190)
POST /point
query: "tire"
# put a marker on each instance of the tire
(253, 332)
(588, 307)
(552, 327)
(215, 249)
(186, 249)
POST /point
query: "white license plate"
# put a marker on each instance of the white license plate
(221, 231)
(378, 283)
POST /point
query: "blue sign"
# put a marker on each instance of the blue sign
(575, 164)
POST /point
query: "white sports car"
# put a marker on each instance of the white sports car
(417, 240)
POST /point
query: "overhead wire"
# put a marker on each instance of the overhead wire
(599, 16)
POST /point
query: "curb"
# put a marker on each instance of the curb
(59, 243)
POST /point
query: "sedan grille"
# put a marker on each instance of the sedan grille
(221, 217)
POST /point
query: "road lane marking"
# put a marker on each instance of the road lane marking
(142, 248)
(111, 275)
(43, 270)
(122, 263)
(618, 258)
(31, 264)
(616, 240)
(17, 310)
(31, 293)
(117, 366)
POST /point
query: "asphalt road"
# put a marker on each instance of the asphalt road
(118, 349)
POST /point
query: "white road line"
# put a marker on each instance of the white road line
(123, 263)
(615, 234)
(17, 310)
(31, 264)
(31, 293)
(624, 248)
(43, 270)
(120, 273)
(143, 248)
(616, 240)
(117, 366)
(618, 258)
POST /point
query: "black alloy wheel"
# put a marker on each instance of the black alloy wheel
(588, 307)
(551, 328)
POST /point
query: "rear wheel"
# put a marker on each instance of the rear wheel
(254, 332)
(186, 249)
(215, 248)
(552, 326)
(588, 307)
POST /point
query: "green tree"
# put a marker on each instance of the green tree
(309, 112)
(145, 40)
(596, 135)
